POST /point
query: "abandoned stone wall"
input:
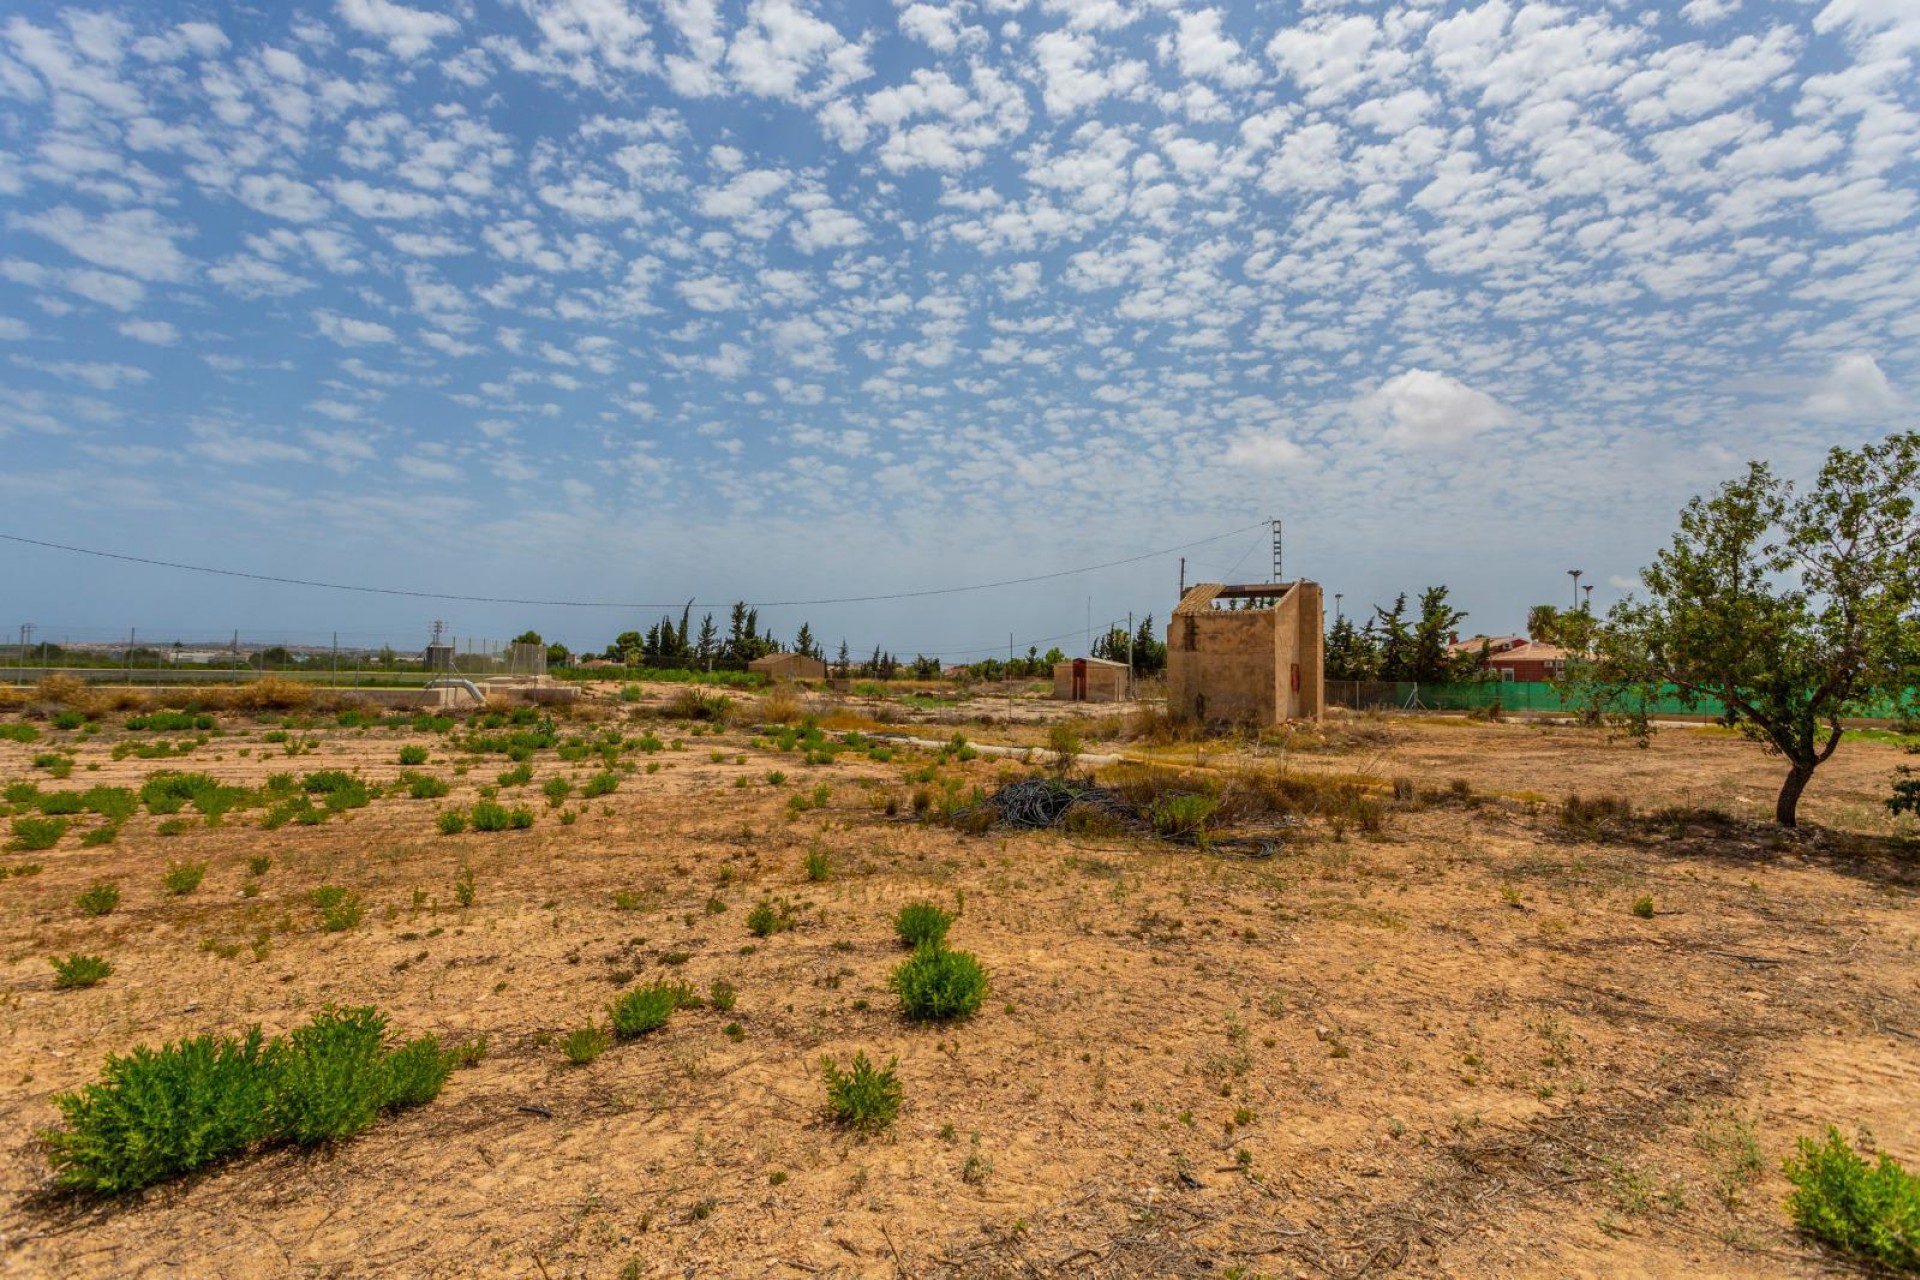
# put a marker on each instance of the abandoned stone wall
(1253, 666)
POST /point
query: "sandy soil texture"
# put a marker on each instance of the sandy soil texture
(1449, 1046)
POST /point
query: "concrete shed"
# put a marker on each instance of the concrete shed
(790, 666)
(1259, 665)
(1089, 680)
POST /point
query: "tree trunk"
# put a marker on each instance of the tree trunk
(1786, 808)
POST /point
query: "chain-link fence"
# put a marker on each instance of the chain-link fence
(1525, 696)
(35, 654)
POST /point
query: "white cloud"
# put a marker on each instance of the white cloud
(1854, 390)
(279, 196)
(781, 45)
(1421, 408)
(138, 242)
(13, 329)
(427, 468)
(349, 332)
(408, 32)
(154, 332)
(1071, 77)
(1266, 452)
(99, 375)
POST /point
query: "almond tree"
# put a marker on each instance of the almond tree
(1791, 610)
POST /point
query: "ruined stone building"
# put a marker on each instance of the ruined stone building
(1259, 664)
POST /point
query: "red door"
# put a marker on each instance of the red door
(1079, 679)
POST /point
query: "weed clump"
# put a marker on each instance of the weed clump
(339, 908)
(156, 1114)
(583, 1044)
(647, 1008)
(770, 916)
(77, 971)
(1869, 1210)
(922, 924)
(183, 877)
(33, 834)
(938, 985)
(99, 898)
(863, 1097)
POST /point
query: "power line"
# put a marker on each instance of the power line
(612, 604)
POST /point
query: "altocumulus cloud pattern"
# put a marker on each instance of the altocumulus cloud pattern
(581, 276)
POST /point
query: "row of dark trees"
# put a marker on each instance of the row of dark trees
(1395, 646)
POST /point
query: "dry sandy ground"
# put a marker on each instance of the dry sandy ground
(1448, 1048)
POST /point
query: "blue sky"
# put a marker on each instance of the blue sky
(590, 299)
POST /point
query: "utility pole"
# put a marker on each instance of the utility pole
(26, 633)
(336, 660)
(1183, 575)
(1009, 680)
(1129, 655)
(1276, 551)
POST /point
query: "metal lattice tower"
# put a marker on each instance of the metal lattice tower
(1276, 551)
(439, 628)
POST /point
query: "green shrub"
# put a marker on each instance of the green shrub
(583, 1044)
(647, 1008)
(99, 836)
(413, 755)
(79, 970)
(862, 1097)
(488, 815)
(518, 776)
(327, 1079)
(451, 822)
(32, 834)
(183, 877)
(428, 787)
(115, 804)
(339, 789)
(1182, 817)
(17, 732)
(62, 804)
(258, 864)
(1872, 1211)
(922, 924)
(69, 719)
(936, 985)
(601, 784)
(168, 793)
(21, 793)
(463, 887)
(770, 916)
(722, 995)
(54, 763)
(519, 818)
(819, 865)
(339, 908)
(556, 791)
(99, 898)
(417, 1069)
(156, 1114)
(1643, 906)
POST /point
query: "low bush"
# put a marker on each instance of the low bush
(169, 793)
(647, 1008)
(99, 898)
(156, 1114)
(770, 916)
(922, 924)
(451, 822)
(32, 834)
(159, 1113)
(722, 995)
(1869, 1210)
(79, 970)
(183, 877)
(863, 1097)
(583, 1044)
(519, 776)
(1182, 817)
(99, 836)
(488, 815)
(340, 909)
(691, 704)
(428, 787)
(18, 732)
(115, 804)
(937, 985)
(819, 865)
(601, 784)
(413, 755)
(556, 790)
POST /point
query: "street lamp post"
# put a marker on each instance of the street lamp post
(1338, 596)
(1575, 575)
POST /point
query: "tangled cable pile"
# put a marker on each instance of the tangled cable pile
(1043, 802)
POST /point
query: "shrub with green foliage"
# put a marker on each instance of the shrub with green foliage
(518, 776)
(556, 790)
(156, 1114)
(863, 1097)
(647, 1008)
(428, 787)
(99, 836)
(62, 804)
(99, 898)
(770, 916)
(489, 815)
(79, 970)
(115, 804)
(31, 834)
(159, 1113)
(170, 722)
(340, 909)
(583, 1044)
(413, 755)
(338, 789)
(937, 985)
(183, 877)
(519, 818)
(922, 924)
(17, 732)
(451, 822)
(601, 784)
(169, 793)
(1870, 1210)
